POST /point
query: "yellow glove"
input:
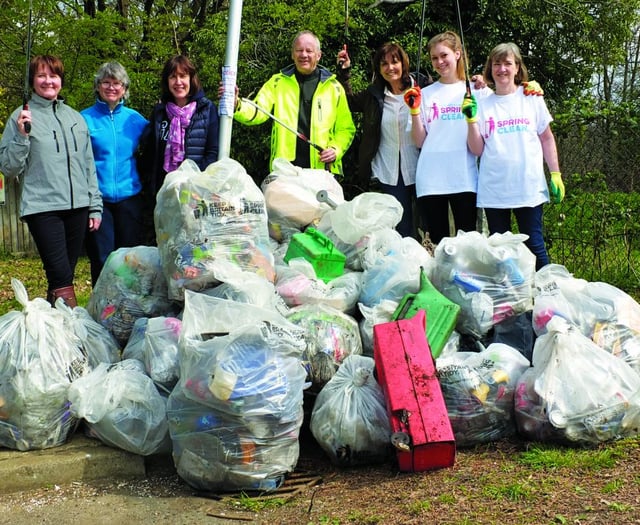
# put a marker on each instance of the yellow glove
(532, 88)
(557, 187)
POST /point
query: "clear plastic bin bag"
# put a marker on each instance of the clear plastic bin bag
(330, 336)
(291, 197)
(349, 418)
(39, 359)
(478, 389)
(491, 278)
(298, 284)
(131, 285)
(122, 407)
(205, 219)
(588, 394)
(98, 344)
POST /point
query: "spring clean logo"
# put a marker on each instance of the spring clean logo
(448, 112)
(503, 127)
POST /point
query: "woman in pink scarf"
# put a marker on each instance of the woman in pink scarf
(183, 125)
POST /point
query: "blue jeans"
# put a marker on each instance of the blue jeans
(405, 195)
(529, 222)
(121, 227)
(59, 235)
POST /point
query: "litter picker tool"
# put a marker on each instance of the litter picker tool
(25, 94)
(298, 134)
(464, 51)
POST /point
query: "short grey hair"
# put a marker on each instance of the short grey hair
(302, 33)
(112, 70)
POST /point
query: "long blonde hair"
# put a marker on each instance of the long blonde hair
(453, 42)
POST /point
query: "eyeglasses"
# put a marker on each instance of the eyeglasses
(115, 85)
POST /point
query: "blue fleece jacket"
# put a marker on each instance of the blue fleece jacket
(114, 139)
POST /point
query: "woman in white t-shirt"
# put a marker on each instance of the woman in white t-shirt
(511, 134)
(447, 171)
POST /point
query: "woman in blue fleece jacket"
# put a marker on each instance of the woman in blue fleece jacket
(115, 131)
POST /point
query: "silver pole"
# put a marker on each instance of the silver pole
(229, 78)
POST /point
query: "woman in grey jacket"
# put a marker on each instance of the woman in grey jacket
(48, 148)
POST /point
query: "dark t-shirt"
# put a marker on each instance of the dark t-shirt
(308, 85)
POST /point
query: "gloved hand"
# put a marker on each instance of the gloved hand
(413, 98)
(532, 88)
(469, 108)
(557, 187)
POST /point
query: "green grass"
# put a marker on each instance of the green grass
(553, 457)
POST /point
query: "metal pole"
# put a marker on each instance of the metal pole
(229, 78)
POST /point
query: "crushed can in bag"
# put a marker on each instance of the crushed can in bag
(420, 425)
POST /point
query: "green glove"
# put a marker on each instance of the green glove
(557, 187)
(469, 108)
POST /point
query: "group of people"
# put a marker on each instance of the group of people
(457, 146)
(91, 177)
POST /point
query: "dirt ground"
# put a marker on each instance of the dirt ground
(489, 484)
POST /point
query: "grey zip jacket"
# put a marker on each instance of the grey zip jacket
(54, 163)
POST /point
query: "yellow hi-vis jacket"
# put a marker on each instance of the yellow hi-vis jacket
(331, 121)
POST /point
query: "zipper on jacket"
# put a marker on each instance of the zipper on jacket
(73, 135)
(319, 110)
(55, 139)
(66, 149)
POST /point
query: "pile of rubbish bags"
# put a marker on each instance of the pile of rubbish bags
(209, 346)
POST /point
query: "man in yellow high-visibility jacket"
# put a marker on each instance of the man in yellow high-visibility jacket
(308, 98)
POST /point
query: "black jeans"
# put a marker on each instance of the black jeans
(121, 227)
(59, 236)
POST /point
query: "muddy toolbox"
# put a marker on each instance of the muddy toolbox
(420, 425)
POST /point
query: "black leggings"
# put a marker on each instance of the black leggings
(59, 236)
(434, 210)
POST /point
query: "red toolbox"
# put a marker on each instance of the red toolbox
(421, 430)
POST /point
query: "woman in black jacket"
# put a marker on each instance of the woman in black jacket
(387, 152)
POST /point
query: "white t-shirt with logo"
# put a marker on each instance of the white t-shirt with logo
(445, 164)
(511, 171)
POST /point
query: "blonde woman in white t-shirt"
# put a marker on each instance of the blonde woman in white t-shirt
(510, 132)
(447, 171)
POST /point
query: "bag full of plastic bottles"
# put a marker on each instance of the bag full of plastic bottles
(491, 278)
(204, 218)
(236, 412)
(602, 312)
(478, 390)
(349, 418)
(122, 407)
(154, 342)
(588, 394)
(131, 285)
(297, 283)
(39, 359)
(330, 336)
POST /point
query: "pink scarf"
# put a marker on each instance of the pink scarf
(180, 119)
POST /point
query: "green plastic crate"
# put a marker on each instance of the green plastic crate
(319, 250)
